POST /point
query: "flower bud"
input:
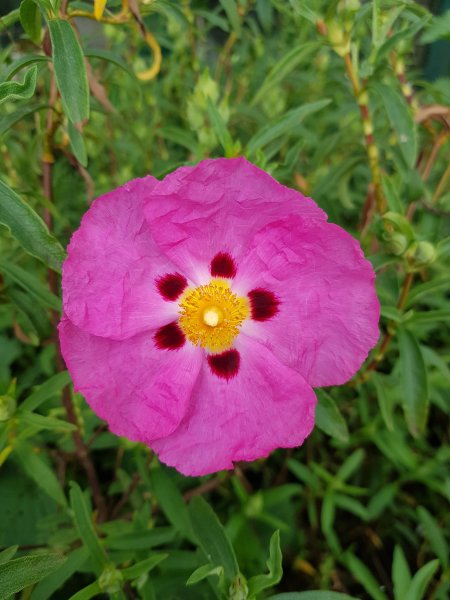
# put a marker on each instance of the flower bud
(111, 580)
(421, 254)
(7, 408)
(396, 243)
(338, 39)
(238, 589)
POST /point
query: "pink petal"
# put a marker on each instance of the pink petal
(328, 313)
(110, 276)
(216, 207)
(141, 392)
(265, 406)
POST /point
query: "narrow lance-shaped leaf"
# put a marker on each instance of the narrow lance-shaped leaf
(401, 120)
(261, 582)
(30, 17)
(212, 538)
(29, 229)
(414, 382)
(77, 144)
(53, 582)
(14, 90)
(70, 70)
(329, 418)
(45, 391)
(19, 573)
(171, 502)
(285, 125)
(421, 581)
(38, 470)
(83, 522)
(31, 284)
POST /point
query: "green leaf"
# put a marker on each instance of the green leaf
(384, 400)
(401, 575)
(284, 125)
(429, 288)
(434, 535)
(7, 554)
(421, 581)
(31, 284)
(181, 137)
(351, 464)
(77, 144)
(42, 422)
(53, 582)
(401, 120)
(212, 538)
(312, 595)
(304, 11)
(24, 61)
(38, 470)
(203, 572)
(363, 574)
(83, 523)
(171, 502)
(231, 11)
(144, 566)
(414, 382)
(30, 17)
(220, 129)
(140, 540)
(431, 316)
(87, 592)
(283, 67)
(14, 90)
(9, 19)
(261, 582)
(329, 418)
(29, 229)
(9, 120)
(70, 70)
(439, 29)
(19, 573)
(45, 391)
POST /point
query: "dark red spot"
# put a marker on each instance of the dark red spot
(225, 365)
(169, 337)
(222, 265)
(171, 285)
(263, 304)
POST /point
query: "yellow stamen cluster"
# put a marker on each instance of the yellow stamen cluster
(211, 315)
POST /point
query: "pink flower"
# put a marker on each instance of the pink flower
(199, 312)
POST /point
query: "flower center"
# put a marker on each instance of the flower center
(211, 315)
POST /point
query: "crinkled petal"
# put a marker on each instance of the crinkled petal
(109, 277)
(140, 391)
(264, 406)
(328, 312)
(217, 206)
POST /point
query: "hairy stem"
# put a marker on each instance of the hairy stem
(372, 151)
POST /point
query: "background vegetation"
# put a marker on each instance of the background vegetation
(333, 98)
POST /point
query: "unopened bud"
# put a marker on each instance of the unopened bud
(421, 254)
(338, 39)
(238, 589)
(396, 243)
(111, 580)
